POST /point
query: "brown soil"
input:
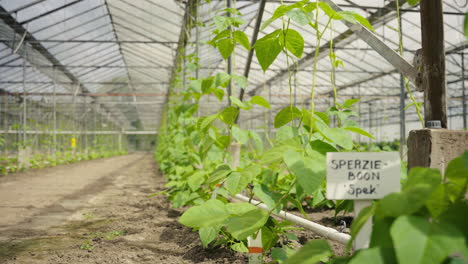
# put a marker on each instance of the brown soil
(99, 212)
(96, 212)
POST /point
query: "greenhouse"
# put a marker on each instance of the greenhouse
(233, 131)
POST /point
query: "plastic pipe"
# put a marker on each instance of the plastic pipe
(326, 232)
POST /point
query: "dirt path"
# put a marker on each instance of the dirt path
(95, 212)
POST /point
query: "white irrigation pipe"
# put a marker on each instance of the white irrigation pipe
(327, 232)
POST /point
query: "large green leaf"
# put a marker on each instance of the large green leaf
(311, 253)
(196, 180)
(222, 79)
(229, 115)
(286, 115)
(246, 224)
(419, 241)
(208, 234)
(205, 122)
(275, 154)
(241, 38)
(268, 197)
(299, 16)
(258, 100)
(240, 104)
(340, 137)
(239, 208)
(267, 49)
(372, 255)
(421, 183)
(309, 173)
(235, 183)
(286, 132)
(358, 222)
(211, 213)
(281, 11)
(226, 47)
(359, 131)
(293, 41)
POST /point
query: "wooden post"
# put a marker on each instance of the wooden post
(465, 125)
(433, 70)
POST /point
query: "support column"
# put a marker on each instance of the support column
(433, 70)
(434, 147)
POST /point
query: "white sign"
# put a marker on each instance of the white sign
(362, 175)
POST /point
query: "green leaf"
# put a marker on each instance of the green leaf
(229, 115)
(329, 11)
(421, 183)
(363, 21)
(466, 25)
(372, 255)
(219, 93)
(278, 254)
(221, 22)
(350, 102)
(242, 136)
(457, 174)
(258, 100)
(275, 154)
(235, 183)
(211, 213)
(196, 180)
(205, 122)
(293, 41)
(286, 132)
(226, 47)
(220, 173)
(241, 38)
(281, 11)
(257, 140)
(240, 104)
(322, 147)
(267, 49)
(286, 115)
(239, 208)
(340, 137)
(240, 247)
(364, 215)
(241, 81)
(206, 84)
(208, 234)
(222, 79)
(309, 173)
(418, 241)
(311, 253)
(223, 34)
(413, 2)
(359, 131)
(298, 16)
(348, 16)
(268, 197)
(246, 224)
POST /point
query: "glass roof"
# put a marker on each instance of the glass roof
(126, 49)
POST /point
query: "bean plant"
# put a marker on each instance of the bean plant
(284, 172)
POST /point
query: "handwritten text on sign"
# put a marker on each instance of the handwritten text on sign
(362, 175)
